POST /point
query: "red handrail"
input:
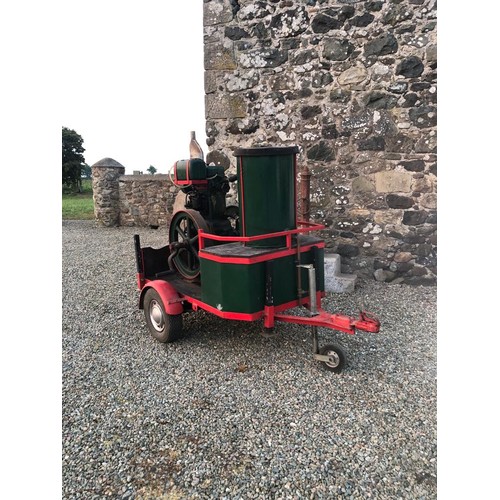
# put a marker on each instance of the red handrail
(309, 226)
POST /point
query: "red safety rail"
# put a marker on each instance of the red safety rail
(308, 227)
(338, 322)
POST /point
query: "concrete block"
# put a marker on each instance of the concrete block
(335, 280)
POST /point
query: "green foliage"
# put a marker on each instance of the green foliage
(87, 172)
(79, 205)
(73, 160)
(152, 170)
(87, 186)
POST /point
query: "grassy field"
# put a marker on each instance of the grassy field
(79, 206)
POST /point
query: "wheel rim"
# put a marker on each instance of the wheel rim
(184, 229)
(156, 316)
(335, 359)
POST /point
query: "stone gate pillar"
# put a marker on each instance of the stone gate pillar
(105, 175)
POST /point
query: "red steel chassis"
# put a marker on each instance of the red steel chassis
(173, 299)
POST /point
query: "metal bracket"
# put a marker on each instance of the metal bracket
(313, 309)
(176, 300)
(268, 333)
(324, 358)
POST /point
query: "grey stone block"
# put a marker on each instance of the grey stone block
(335, 280)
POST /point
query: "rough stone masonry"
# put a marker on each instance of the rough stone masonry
(353, 84)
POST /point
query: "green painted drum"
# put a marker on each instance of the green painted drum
(267, 192)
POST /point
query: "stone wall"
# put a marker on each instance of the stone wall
(353, 84)
(146, 200)
(105, 175)
(130, 200)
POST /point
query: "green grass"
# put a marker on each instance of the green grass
(79, 205)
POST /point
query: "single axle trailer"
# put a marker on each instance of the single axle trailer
(254, 262)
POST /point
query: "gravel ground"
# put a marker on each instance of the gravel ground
(227, 413)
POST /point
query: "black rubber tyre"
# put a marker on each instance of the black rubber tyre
(163, 327)
(339, 357)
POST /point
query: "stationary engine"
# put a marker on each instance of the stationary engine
(205, 187)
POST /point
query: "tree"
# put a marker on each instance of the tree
(87, 172)
(73, 161)
(152, 170)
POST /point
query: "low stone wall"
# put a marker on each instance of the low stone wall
(130, 200)
(146, 200)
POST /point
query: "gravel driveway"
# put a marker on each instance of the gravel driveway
(227, 413)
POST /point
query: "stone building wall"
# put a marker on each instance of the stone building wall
(353, 84)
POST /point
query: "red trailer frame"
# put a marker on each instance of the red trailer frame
(176, 297)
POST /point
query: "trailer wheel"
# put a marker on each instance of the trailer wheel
(163, 327)
(338, 357)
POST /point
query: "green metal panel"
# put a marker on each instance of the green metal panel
(241, 288)
(233, 287)
(266, 192)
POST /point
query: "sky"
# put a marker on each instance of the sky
(133, 81)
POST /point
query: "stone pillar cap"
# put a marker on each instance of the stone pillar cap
(108, 162)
